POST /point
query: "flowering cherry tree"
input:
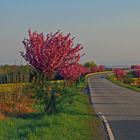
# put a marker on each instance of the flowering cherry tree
(137, 73)
(119, 73)
(50, 53)
(135, 66)
(94, 69)
(101, 68)
(47, 55)
(73, 72)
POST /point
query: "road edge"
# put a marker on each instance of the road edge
(107, 127)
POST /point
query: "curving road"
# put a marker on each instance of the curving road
(119, 105)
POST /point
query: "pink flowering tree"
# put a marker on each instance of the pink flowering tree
(135, 66)
(51, 53)
(48, 55)
(101, 68)
(119, 73)
(94, 69)
(74, 72)
(137, 73)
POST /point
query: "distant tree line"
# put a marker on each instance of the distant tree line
(14, 74)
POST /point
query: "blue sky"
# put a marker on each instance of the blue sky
(109, 30)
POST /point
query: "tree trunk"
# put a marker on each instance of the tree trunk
(50, 106)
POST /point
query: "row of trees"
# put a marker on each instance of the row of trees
(135, 66)
(93, 67)
(14, 74)
(127, 77)
(24, 73)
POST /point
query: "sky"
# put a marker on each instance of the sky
(109, 30)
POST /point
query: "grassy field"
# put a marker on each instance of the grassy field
(73, 120)
(112, 79)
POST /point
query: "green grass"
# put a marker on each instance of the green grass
(112, 79)
(73, 120)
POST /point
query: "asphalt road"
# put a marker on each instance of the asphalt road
(119, 105)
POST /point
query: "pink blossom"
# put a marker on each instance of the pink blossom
(50, 53)
(119, 73)
(73, 72)
(135, 66)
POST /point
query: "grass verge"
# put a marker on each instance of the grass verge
(112, 79)
(73, 120)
